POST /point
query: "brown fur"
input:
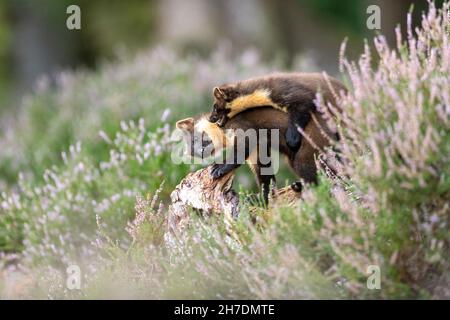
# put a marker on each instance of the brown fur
(301, 162)
(288, 92)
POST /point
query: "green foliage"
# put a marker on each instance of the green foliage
(346, 14)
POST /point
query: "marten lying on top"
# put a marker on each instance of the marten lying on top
(202, 134)
(293, 93)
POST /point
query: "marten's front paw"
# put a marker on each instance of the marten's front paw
(218, 171)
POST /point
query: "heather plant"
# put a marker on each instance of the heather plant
(395, 150)
(117, 159)
(50, 222)
(384, 204)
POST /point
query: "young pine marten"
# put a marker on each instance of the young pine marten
(203, 134)
(293, 93)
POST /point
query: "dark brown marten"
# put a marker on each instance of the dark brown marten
(302, 162)
(292, 93)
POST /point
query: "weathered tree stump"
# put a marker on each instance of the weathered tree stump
(199, 192)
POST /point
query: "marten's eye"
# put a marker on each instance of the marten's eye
(215, 106)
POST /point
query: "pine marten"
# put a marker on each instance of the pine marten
(204, 134)
(293, 93)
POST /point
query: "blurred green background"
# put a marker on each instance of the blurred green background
(34, 39)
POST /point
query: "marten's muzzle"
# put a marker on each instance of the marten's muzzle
(219, 117)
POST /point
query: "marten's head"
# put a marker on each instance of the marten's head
(204, 139)
(222, 97)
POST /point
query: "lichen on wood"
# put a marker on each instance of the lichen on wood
(198, 191)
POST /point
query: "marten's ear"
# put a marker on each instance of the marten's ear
(218, 93)
(185, 124)
(227, 93)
